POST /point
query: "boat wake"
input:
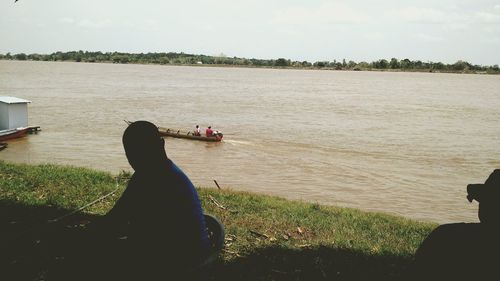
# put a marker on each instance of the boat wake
(238, 142)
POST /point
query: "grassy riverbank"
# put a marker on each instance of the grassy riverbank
(267, 238)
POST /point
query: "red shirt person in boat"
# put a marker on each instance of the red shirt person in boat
(213, 133)
(209, 132)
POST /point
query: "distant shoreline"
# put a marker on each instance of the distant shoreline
(282, 67)
(182, 59)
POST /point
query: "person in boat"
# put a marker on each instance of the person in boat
(217, 134)
(197, 131)
(209, 132)
(159, 209)
(465, 251)
(213, 133)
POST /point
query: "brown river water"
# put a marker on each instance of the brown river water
(398, 143)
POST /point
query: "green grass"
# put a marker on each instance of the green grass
(267, 238)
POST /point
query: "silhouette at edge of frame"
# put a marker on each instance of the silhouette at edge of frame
(156, 230)
(465, 251)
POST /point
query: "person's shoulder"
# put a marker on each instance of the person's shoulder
(174, 168)
(177, 172)
(457, 228)
(133, 182)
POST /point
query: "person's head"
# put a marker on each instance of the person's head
(197, 126)
(210, 127)
(143, 145)
(488, 196)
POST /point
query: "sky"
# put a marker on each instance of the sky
(312, 30)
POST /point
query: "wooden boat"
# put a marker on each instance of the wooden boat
(17, 133)
(183, 135)
(13, 133)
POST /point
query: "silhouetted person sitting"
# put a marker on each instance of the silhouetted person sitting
(465, 251)
(160, 212)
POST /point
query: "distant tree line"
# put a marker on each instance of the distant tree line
(393, 64)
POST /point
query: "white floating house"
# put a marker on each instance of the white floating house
(13, 113)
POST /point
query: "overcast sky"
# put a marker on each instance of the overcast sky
(428, 30)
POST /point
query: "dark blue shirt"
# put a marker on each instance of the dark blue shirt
(163, 218)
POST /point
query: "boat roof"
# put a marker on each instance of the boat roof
(12, 100)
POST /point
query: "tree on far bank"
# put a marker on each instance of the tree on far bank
(394, 64)
(381, 64)
(21, 56)
(461, 66)
(282, 62)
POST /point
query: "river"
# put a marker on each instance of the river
(398, 143)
